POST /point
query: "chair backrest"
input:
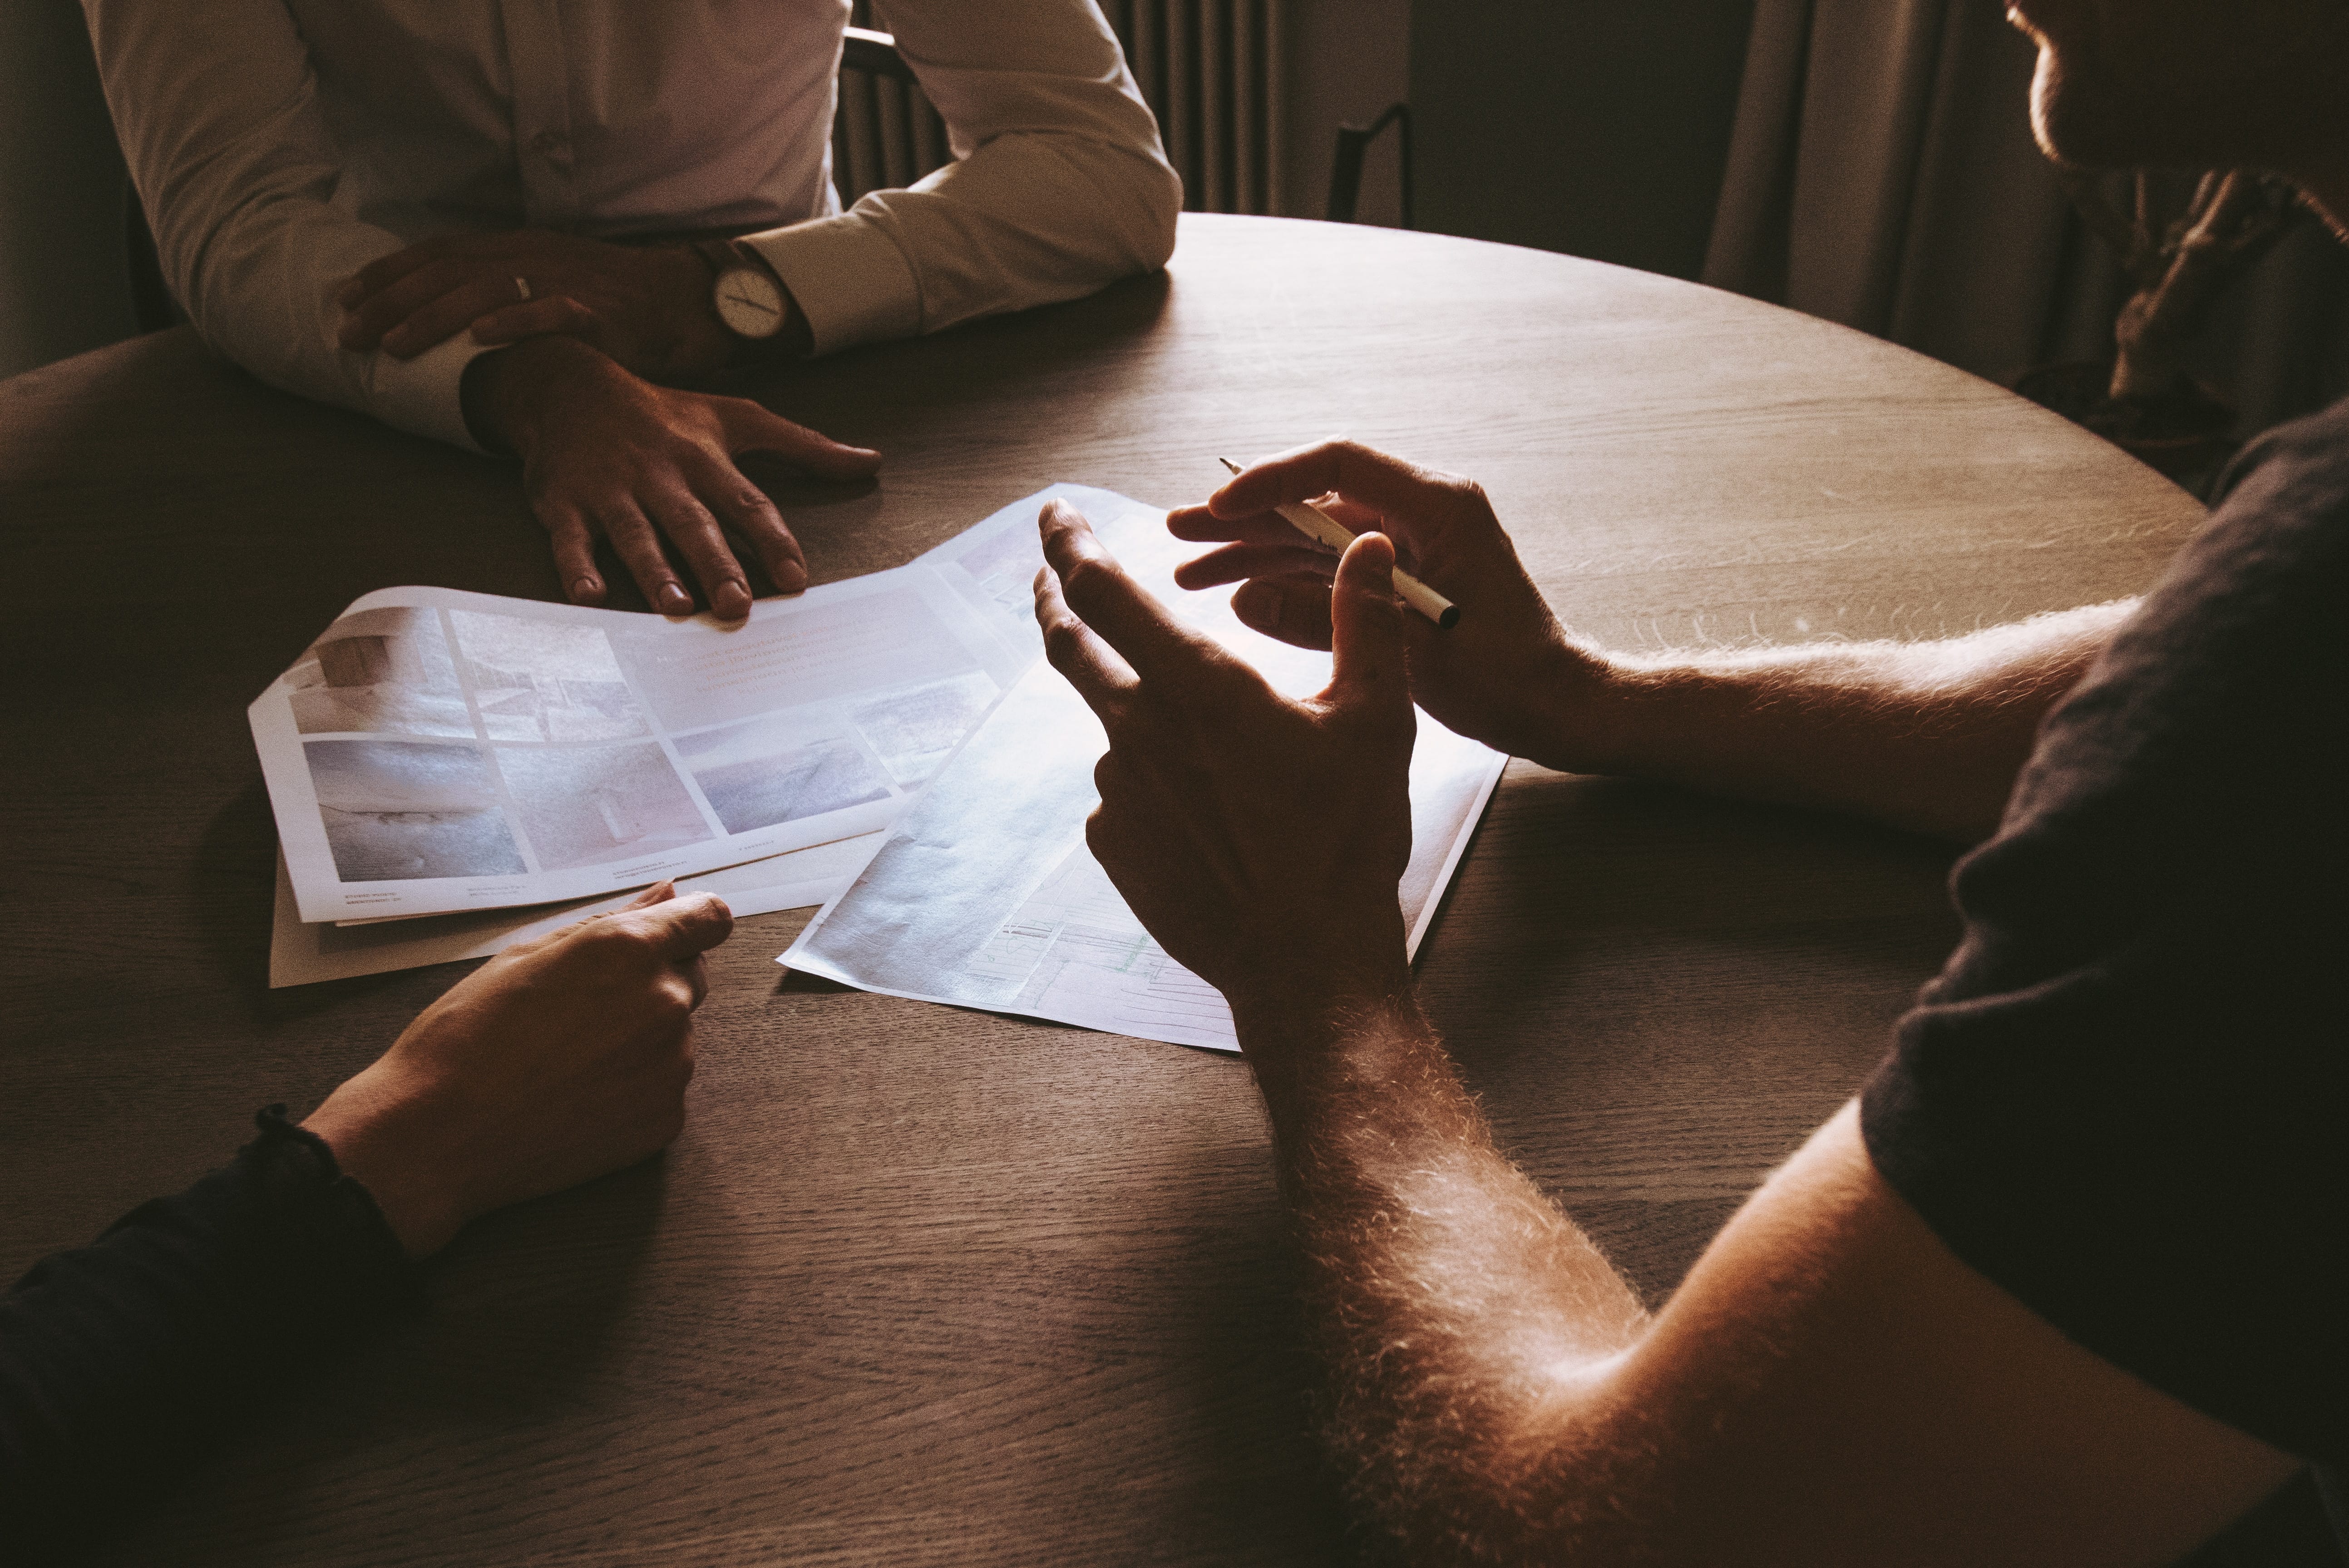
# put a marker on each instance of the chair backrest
(884, 135)
(1346, 166)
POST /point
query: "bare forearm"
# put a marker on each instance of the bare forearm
(1460, 1314)
(1924, 736)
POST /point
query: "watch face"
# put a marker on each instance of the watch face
(749, 303)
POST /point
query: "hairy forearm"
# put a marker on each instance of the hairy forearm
(1463, 1317)
(1923, 736)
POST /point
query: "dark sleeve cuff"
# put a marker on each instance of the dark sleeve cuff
(119, 1361)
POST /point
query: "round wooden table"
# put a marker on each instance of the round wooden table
(928, 1286)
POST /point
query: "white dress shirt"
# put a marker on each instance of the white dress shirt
(280, 145)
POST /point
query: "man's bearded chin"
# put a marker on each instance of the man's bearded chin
(2242, 102)
(2084, 119)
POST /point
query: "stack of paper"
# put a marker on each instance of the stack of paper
(452, 772)
(985, 895)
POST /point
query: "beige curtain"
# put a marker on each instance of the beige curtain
(1882, 174)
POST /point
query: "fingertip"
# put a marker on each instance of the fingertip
(853, 462)
(1060, 517)
(659, 892)
(587, 589)
(717, 914)
(1376, 550)
(1193, 522)
(731, 600)
(693, 924)
(790, 577)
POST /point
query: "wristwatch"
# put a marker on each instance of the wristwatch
(748, 296)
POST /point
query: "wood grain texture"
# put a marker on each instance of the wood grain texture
(928, 1286)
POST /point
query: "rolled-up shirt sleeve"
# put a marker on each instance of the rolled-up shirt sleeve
(216, 107)
(1059, 184)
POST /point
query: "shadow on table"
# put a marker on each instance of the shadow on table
(1659, 996)
(523, 1312)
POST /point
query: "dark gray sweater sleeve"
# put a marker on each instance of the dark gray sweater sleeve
(120, 1360)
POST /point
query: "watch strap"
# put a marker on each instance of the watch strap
(720, 255)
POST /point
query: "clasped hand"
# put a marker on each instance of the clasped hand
(644, 306)
(576, 391)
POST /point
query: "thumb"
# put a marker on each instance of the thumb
(1366, 638)
(688, 926)
(752, 428)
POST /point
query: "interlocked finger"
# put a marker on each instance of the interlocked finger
(383, 312)
(545, 315)
(440, 319)
(385, 271)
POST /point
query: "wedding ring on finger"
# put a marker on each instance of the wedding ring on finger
(522, 287)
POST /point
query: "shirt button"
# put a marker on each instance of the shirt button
(546, 144)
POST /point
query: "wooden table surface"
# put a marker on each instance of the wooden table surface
(929, 1287)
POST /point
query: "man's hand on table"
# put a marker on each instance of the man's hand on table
(1259, 839)
(646, 307)
(606, 453)
(558, 1060)
(1506, 674)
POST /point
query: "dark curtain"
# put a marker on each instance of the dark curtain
(1882, 174)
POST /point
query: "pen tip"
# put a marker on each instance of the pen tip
(1229, 464)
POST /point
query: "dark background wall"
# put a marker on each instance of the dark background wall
(1599, 128)
(63, 284)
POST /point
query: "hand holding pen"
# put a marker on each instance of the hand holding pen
(1312, 519)
(1502, 672)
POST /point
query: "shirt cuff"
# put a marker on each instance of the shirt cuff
(849, 280)
(425, 396)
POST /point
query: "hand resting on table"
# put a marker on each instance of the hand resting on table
(557, 1060)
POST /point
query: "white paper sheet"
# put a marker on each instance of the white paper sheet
(300, 954)
(984, 894)
(438, 750)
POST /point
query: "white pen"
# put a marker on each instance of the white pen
(1316, 525)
